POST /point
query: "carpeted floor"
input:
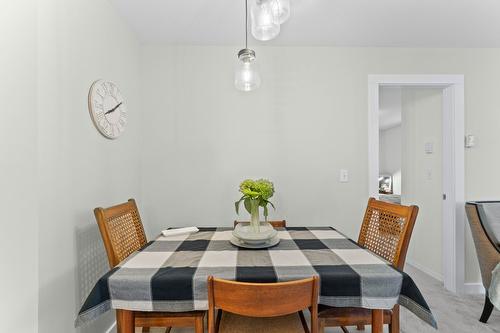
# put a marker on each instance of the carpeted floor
(454, 314)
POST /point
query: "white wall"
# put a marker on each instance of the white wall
(390, 155)
(422, 175)
(79, 42)
(307, 121)
(19, 235)
(202, 137)
(389, 107)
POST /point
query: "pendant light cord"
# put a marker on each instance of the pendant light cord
(246, 24)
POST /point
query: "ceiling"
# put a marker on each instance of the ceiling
(400, 23)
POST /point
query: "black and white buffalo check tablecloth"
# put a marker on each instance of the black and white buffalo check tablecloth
(170, 273)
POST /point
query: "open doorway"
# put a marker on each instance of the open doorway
(431, 163)
(410, 166)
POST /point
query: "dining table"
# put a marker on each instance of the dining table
(170, 274)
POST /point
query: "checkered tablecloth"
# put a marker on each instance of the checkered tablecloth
(170, 273)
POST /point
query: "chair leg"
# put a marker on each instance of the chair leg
(125, 321)
(304, 322)
(344, 329)
(394, 325)
(211, 321)
(360, 327)
(198, 325)
(488, 308)
(314, 322)
(217, 320)
(377, 321)
(118, 321)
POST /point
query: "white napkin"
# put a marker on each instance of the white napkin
(179, 231)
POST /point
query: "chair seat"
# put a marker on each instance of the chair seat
(232, 323)
(349, 316)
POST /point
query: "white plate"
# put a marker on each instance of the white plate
(270, 243)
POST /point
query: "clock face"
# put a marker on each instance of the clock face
(107, 109)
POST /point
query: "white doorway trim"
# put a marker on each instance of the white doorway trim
(453, 162)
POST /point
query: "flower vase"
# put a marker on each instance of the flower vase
(254, 216)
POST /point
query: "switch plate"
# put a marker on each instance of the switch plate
(429, 147)
(470, 141)
(344, 176)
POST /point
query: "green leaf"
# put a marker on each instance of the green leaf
(237, 205)
(248, 205)
(266, 212)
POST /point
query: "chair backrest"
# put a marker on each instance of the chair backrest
(387, 229)
(275, 224)
(487, 252)
(121, 230)
(263, 299)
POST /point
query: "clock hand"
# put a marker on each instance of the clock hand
(113, 109)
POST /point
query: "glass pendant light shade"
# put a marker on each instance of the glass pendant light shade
(246, 75)
(282, 10)
(265, 20)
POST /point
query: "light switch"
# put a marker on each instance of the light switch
(344, 176)
(429, 148)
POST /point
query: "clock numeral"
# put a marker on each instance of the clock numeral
(98, 92)
(107, 88)
(112, 89)
(98, 105)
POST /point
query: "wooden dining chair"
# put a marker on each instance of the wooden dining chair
(386, 231)
(123, 233)
(275, 224)
(240, 300)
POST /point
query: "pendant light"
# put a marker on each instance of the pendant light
(282, 10)
(246, 75)
(265, 19)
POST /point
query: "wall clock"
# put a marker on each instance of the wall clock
(107, 109)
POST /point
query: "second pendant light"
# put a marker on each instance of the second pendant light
(267, 16)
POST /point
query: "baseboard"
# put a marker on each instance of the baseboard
(474, 288)
(427, 271)
(110, 329)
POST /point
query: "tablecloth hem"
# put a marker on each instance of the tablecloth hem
(418, 310)
(359, 302)
(92, 314)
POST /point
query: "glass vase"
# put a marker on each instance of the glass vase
(254, 215)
